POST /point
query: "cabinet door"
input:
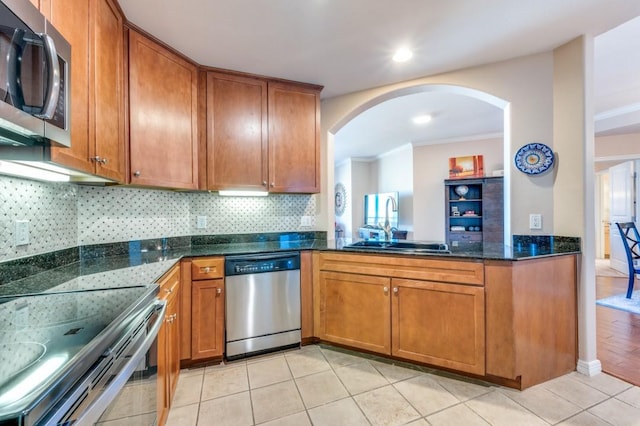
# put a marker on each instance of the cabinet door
(294, 138)
(207, 319)
(71, 18)
(439, 323)
(355, 311)
(163, 104)
(106, 100)
(167, 337)
(236, 132)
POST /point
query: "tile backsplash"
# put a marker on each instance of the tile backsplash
(64, 215)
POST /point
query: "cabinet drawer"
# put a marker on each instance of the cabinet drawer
(207, 268)
(169, 283)
(475, 237)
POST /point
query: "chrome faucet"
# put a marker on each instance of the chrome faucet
(387, 225)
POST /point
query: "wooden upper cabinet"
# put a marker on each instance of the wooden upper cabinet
(71, 18)
(262, 134)
(94, 30)
(294, 138)
(237, 134)
(106, 100)
(163, 116)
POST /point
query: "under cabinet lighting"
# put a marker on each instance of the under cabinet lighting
(241, 193)
(24, 171)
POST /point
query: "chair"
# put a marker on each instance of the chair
(631, 241)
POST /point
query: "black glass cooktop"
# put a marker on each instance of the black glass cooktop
(47, 340)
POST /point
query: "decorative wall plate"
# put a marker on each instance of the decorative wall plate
(340, 198)
(534, 158)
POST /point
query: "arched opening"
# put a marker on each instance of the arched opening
(500, 107)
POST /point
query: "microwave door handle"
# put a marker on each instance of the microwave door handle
(14, 61)
(53, 83)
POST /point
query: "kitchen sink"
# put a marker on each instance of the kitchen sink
(401, 246)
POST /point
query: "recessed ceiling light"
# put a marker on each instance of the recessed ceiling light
(422, 119)
(402, 55)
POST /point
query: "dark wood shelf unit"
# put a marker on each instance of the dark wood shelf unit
(486, 199)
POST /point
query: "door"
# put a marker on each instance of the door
(621, 210)
(355, 311)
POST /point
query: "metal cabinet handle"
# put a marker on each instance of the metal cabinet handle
(206, 269)
(219, 291)
(395, 290)
(96, 159)
(168, 290)
(273, 184)
(385, 289)
(264, 183)
(104, 161)
(137, 173)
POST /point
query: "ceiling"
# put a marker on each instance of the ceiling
(347, 46)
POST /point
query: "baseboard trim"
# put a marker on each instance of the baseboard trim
(589, 368)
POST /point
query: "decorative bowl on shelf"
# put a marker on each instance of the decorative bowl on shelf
(461, 190)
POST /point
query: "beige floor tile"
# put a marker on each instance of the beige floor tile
(631, 396)
(185, 372)
(419, 422)
(223, 365)
(305, 362)
(186, 415)
(617, 413)
(455, 416)
(499, 410)
(461, 389)
(340, 413)
(544, 403)
(268, 372)
(188, 391)
(584, 419)
(603, 382)
(394, 373)
(575, 391)
(385, 406)
(340, 359)
(264, 357)
(275, 401)
(320, 388)
(361, 377)
(426, 394)
(297, 419)
(232, 410)
(225, 381)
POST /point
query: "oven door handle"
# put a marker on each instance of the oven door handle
(93, 412)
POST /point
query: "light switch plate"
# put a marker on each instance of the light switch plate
(306, 221)
(22, 232)
(201, 222)
(535, 221)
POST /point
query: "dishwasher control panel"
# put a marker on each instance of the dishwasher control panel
(261, 263)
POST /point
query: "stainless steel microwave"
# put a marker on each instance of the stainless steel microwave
(35, 64)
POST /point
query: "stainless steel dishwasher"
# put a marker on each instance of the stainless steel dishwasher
(262, 303)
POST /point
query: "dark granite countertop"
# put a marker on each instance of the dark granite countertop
(141, 263)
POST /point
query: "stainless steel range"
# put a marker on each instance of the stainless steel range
(66, 356)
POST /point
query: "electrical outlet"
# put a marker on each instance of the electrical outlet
(22, 232)
(535, 221)
(201, 222)
(306, 221)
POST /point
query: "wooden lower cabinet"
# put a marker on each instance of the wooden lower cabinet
(426, 320)
(438, 323)
(207, 319)
(355, 311)
(169, 343)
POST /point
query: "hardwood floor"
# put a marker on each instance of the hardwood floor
(618, 333)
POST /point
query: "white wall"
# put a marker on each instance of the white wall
(343, 176)
(431, 168)
(395, 173)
